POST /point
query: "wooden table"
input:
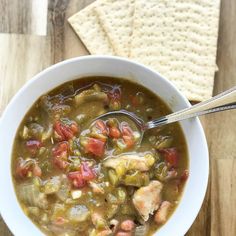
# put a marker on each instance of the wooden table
(35, 34)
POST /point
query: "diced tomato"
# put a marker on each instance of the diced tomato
(23, 167)
(77, 179)
(60, 163)
(60, 148)
(33, 146)
(134, 100)
(114, 132)
(184, 176)
(74, 128)
(37, 171)
(129, 141)
(126, 130)
(57, 128)
(80, 178)
(127, 135)
(60, 155)
(65, 131)
(120, 233)
(115, 94)
(95, 147)
(127, 225)
(60, 221)
(171, 156)
(87, 172)
(102, 127)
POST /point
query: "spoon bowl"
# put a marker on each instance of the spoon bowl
(222, 102)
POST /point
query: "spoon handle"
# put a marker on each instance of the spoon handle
(221, 102)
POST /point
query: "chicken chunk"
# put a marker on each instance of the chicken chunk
(52, 185)
(130, 162)
(162, 212)
(31, 195)
(91, 102)
(90, 95)
(147, 199)
(63, 192)
(78, 213)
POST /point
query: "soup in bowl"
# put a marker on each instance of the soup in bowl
(74, 175)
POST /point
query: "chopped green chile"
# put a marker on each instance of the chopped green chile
(136, 179)
(34, 211)
(121, 194)
(112, 210)
(113, 178)
(161, 171)
(25, 132)
(163, 142)
(52, 185)
(77, 176)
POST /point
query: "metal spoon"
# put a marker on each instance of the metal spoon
(222, 102)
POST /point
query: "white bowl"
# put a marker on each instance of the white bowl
(195, 189)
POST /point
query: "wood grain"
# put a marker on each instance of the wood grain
(23, 17)
(220, 131)
(224, 187)
(24, 56)
(35, 34)
(15, 16)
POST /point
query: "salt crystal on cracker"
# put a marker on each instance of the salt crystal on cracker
(116, 17)
(179, 40)
(86, 25)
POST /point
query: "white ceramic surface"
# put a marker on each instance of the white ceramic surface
(71, 69)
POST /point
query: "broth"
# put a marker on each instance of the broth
(73, 176)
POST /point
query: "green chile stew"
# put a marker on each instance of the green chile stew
(73, 176)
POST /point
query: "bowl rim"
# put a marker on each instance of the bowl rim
(10, 223)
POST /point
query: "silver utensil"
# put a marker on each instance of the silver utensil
(222, 102)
